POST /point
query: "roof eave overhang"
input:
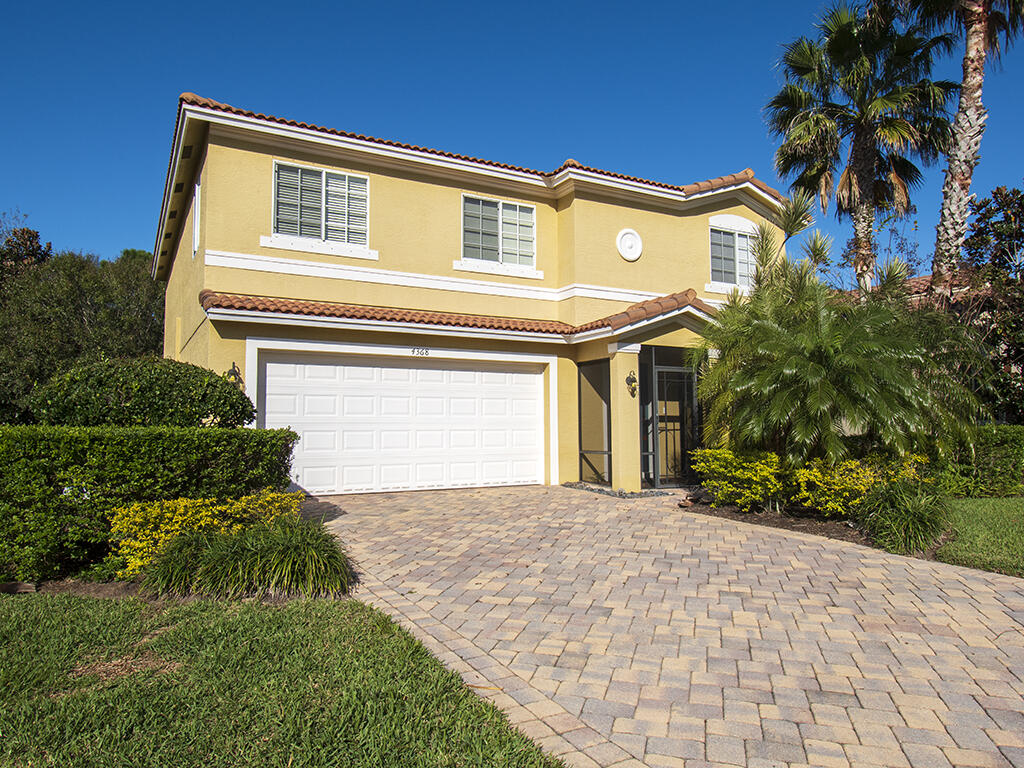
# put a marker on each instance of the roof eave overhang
(688, 317)
(566, 181)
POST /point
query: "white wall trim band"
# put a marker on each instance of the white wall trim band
(302, 267)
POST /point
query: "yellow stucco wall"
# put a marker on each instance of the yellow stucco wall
(415, 224)
(186, 329)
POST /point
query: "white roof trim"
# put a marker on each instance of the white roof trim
(357, 324)
(546, 185)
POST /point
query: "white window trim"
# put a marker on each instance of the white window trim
(736, 225)
(492, 267)
(727, 288)
(497, 268)
(313, 244)
(195, 219)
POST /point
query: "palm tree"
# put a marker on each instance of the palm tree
(982, 23)
(806, 372)
(861, 88)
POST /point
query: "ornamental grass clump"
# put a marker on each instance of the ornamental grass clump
(287, 557)
(903, 516)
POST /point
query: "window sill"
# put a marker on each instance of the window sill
(312, 245)
(495, 268)
(726, 288)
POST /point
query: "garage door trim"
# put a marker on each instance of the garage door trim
(255, 345)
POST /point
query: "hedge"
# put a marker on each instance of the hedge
(140, 392)
(59, 485)
(994, 466)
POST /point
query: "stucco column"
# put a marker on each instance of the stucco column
(625, 417)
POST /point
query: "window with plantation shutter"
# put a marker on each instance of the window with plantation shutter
(320, 205)
(731, 259)
(499, 232)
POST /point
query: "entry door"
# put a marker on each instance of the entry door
(369, 424)
(676, 421)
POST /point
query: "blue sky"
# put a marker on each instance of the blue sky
(667, 91)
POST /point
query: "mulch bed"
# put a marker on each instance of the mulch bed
(832, 529)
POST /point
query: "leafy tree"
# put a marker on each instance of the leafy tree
(996, 240)
(807, 372)
(20, 249)
(994, 254)
(984, 25)
(861, 89)
(73, 307)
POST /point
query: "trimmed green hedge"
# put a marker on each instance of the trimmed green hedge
(140, 392)
(58, 485)
(993, 467)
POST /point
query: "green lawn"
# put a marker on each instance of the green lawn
(988, 534)
(91, 682)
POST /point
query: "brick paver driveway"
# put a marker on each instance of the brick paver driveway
(632, 633)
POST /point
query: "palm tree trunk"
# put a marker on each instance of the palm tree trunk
(862, 160)
(968, 127)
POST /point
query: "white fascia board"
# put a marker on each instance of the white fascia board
(600, 333)
(350, 324)
(363, 146)
(539, 181)
(172, 172)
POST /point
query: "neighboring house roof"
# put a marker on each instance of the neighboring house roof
(637, 313)
(721, 182)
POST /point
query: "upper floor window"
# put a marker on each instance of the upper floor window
(731, 258)
(318, 204)
(497, 231)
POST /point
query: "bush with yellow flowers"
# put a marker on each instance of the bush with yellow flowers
(140, 531)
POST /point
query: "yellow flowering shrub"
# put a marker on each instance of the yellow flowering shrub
(748, 481)
(139, 531)
(837, 490)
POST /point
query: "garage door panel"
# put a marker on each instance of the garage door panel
(368, 426)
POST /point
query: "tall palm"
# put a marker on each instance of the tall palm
(983, 24)
(861, 88)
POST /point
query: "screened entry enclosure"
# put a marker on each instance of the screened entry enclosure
(668, 411)
(595, 422)
(669, 416)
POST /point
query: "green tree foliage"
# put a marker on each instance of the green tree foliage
(857, 111)
(70, 307)
(20, 250)
(994, 254)
(803, 371)
(140, 392)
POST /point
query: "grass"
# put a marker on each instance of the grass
(987, 534)
(126, 683)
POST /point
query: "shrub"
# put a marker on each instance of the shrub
(748, 481)
(145, 391)
(837, 490)
(992, 466)
(286, 557)
(904, 517)
(60, 484)
(141, 530)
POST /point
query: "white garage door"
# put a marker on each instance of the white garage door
(364, 425)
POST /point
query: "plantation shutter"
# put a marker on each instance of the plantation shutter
(723, 256)
(346, 208)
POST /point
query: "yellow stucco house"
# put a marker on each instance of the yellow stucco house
(424, 319)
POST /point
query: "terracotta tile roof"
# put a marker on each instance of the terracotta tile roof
(721, 182)
(645, 310)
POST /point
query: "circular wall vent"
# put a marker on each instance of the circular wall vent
(629, 244)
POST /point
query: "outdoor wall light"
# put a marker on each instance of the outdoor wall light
(631, 383)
